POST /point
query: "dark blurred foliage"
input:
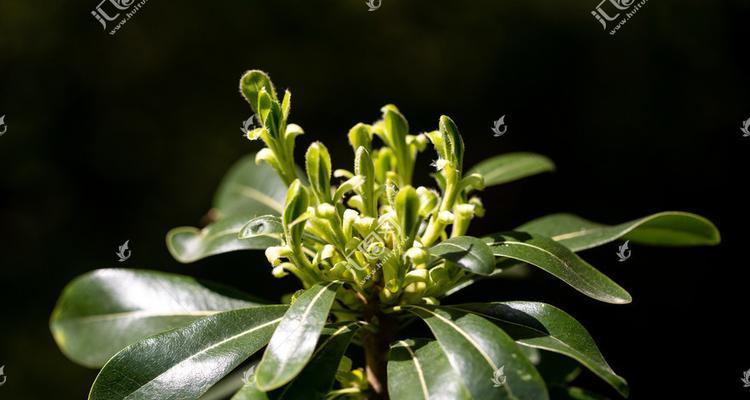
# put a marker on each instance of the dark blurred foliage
(123, 137)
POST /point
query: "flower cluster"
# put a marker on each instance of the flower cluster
(373, 228)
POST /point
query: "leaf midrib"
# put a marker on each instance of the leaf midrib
(205, 350)
(144, 314)
(418, 367)
(591, 287)
(510, 167)
(260, 197)
(314, 300)
(470, 340)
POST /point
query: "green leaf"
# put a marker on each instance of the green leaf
(559, 261)
(453, 142)
(184, 363)
(476, 349)
(250, 189)
(545, 327)
(510, 167)
(250, 392)
(419, 370)
(318, 166)
(293, 343)
(407, 211)
(266, 225)
(670, 228)
(468, 252)
(252, 83)
(103, 311)
(295, 206)
(188, 244)
(314, 382)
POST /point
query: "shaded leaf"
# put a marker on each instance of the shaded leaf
(250, 391)
(184, 363)
(546, 327)
(316, 380)
(293, 343)
(476, 349)
(670, 228)
(103, 311)
(419, 370)
(188, 244)
(559, 261)
(510, 167)
(468, 252)
(249, 189)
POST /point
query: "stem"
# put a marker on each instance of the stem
(376, 344)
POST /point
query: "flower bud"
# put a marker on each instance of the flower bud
(318, 166)
(295, 206)
(417, 255)
(407, 212)
(360, 136)
(274, 254)
(325, 210)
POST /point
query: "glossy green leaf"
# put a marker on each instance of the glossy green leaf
(103, 311)
(184, 363)
(559, 261)
(477, 350)
(419, 370)
(468, 252)
(510, 167)
(316, 380)
(188, 244)
(543, 326)
(249, 189)
(670, 228)
(293, 343)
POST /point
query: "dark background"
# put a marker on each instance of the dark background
(124, 137)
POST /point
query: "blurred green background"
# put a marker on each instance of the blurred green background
(114, 138)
